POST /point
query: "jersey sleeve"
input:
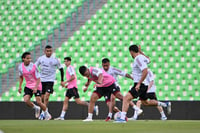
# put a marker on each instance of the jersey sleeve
(70, 71)
(150, 76)
(119, 72)
(37, 73)
(59, 64)
(20, 70)
(37, 63)
(142, 62)
(96, 71)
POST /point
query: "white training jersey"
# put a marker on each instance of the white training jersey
(28, 68)
(70, 70)
(114, 72)
(149, 78)
(139, 64)
(48, 67)
(96, 71)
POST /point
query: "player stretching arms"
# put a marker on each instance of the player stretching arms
(30, 72)
(139, 70)
(114, 72)
(72, 90)
(105, 84)
(48, 65)
(151, 94)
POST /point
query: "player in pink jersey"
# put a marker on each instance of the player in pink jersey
(105, 84)
(72, 91)
(29, 71)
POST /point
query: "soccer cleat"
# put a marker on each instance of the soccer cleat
(168, 107)
(108, 119)
(37, 112)
(88, 120)
(48, 116)
(120, 121)
(163, 118)
(132, 119)
(96, 109)
(41, 117)
(139, 112)
(59, 118)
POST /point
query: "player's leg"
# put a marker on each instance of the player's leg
(137, 110)
(162, 113)
(95, 96)
(110, 101)
(64, 109)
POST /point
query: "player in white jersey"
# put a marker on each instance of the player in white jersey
(114, 72)
(48, 65)
(151, 94)
(139, 71)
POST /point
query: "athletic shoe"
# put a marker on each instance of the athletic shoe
(96, 109)
(41, 117)
(163, 118)
(88, 120)
(168, 107)
(139, 112)
(120, 121)
(48, 116)
(37, 112)
(59, 118)
(108, 119)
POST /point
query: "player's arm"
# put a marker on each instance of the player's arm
(87, 85)
(62, 74)
(144, 74)
(140, 51)
(100, 79)
(128, 76)
(122, 73)
(36, 85)
(20, 83)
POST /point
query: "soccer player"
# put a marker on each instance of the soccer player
(72, 91)
(139, 71)
(29, 71)
(105, 84)
(48, 65)
(151, 94)
(114, 72)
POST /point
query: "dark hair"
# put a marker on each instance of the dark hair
(68, 58)
(105, 60)
(82, 69)
(25, 54)
(134, 48)
(48, 46)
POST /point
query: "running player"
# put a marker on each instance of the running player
(105, 84)
(139, 71)
(72, 91)
(48, 65)
(30, 72)
(114, 72)
(151, 94)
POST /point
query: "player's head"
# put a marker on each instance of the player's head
(67, 61)
(84, 71)
(105, 64)
(26, 58)
(48, 50)
(134, 50)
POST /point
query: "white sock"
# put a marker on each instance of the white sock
(110, 115)
(162, 104)
(162, 114)
(123, 115)
(135, 115)
(90, 115)
(135, 107)
(62, 114)
(35, 106)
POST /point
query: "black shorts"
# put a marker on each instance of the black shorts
(142, 93)
(28, 91)
(152, 96)
(47, 87)
(73, 92)
(106, 91)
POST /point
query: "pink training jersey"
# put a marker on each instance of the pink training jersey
(30, 77)
(72, 83)
(107, 79)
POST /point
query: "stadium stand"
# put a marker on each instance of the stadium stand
(167, 31)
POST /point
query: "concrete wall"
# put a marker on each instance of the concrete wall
(181, 110)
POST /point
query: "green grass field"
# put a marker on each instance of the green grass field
(99, 126)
